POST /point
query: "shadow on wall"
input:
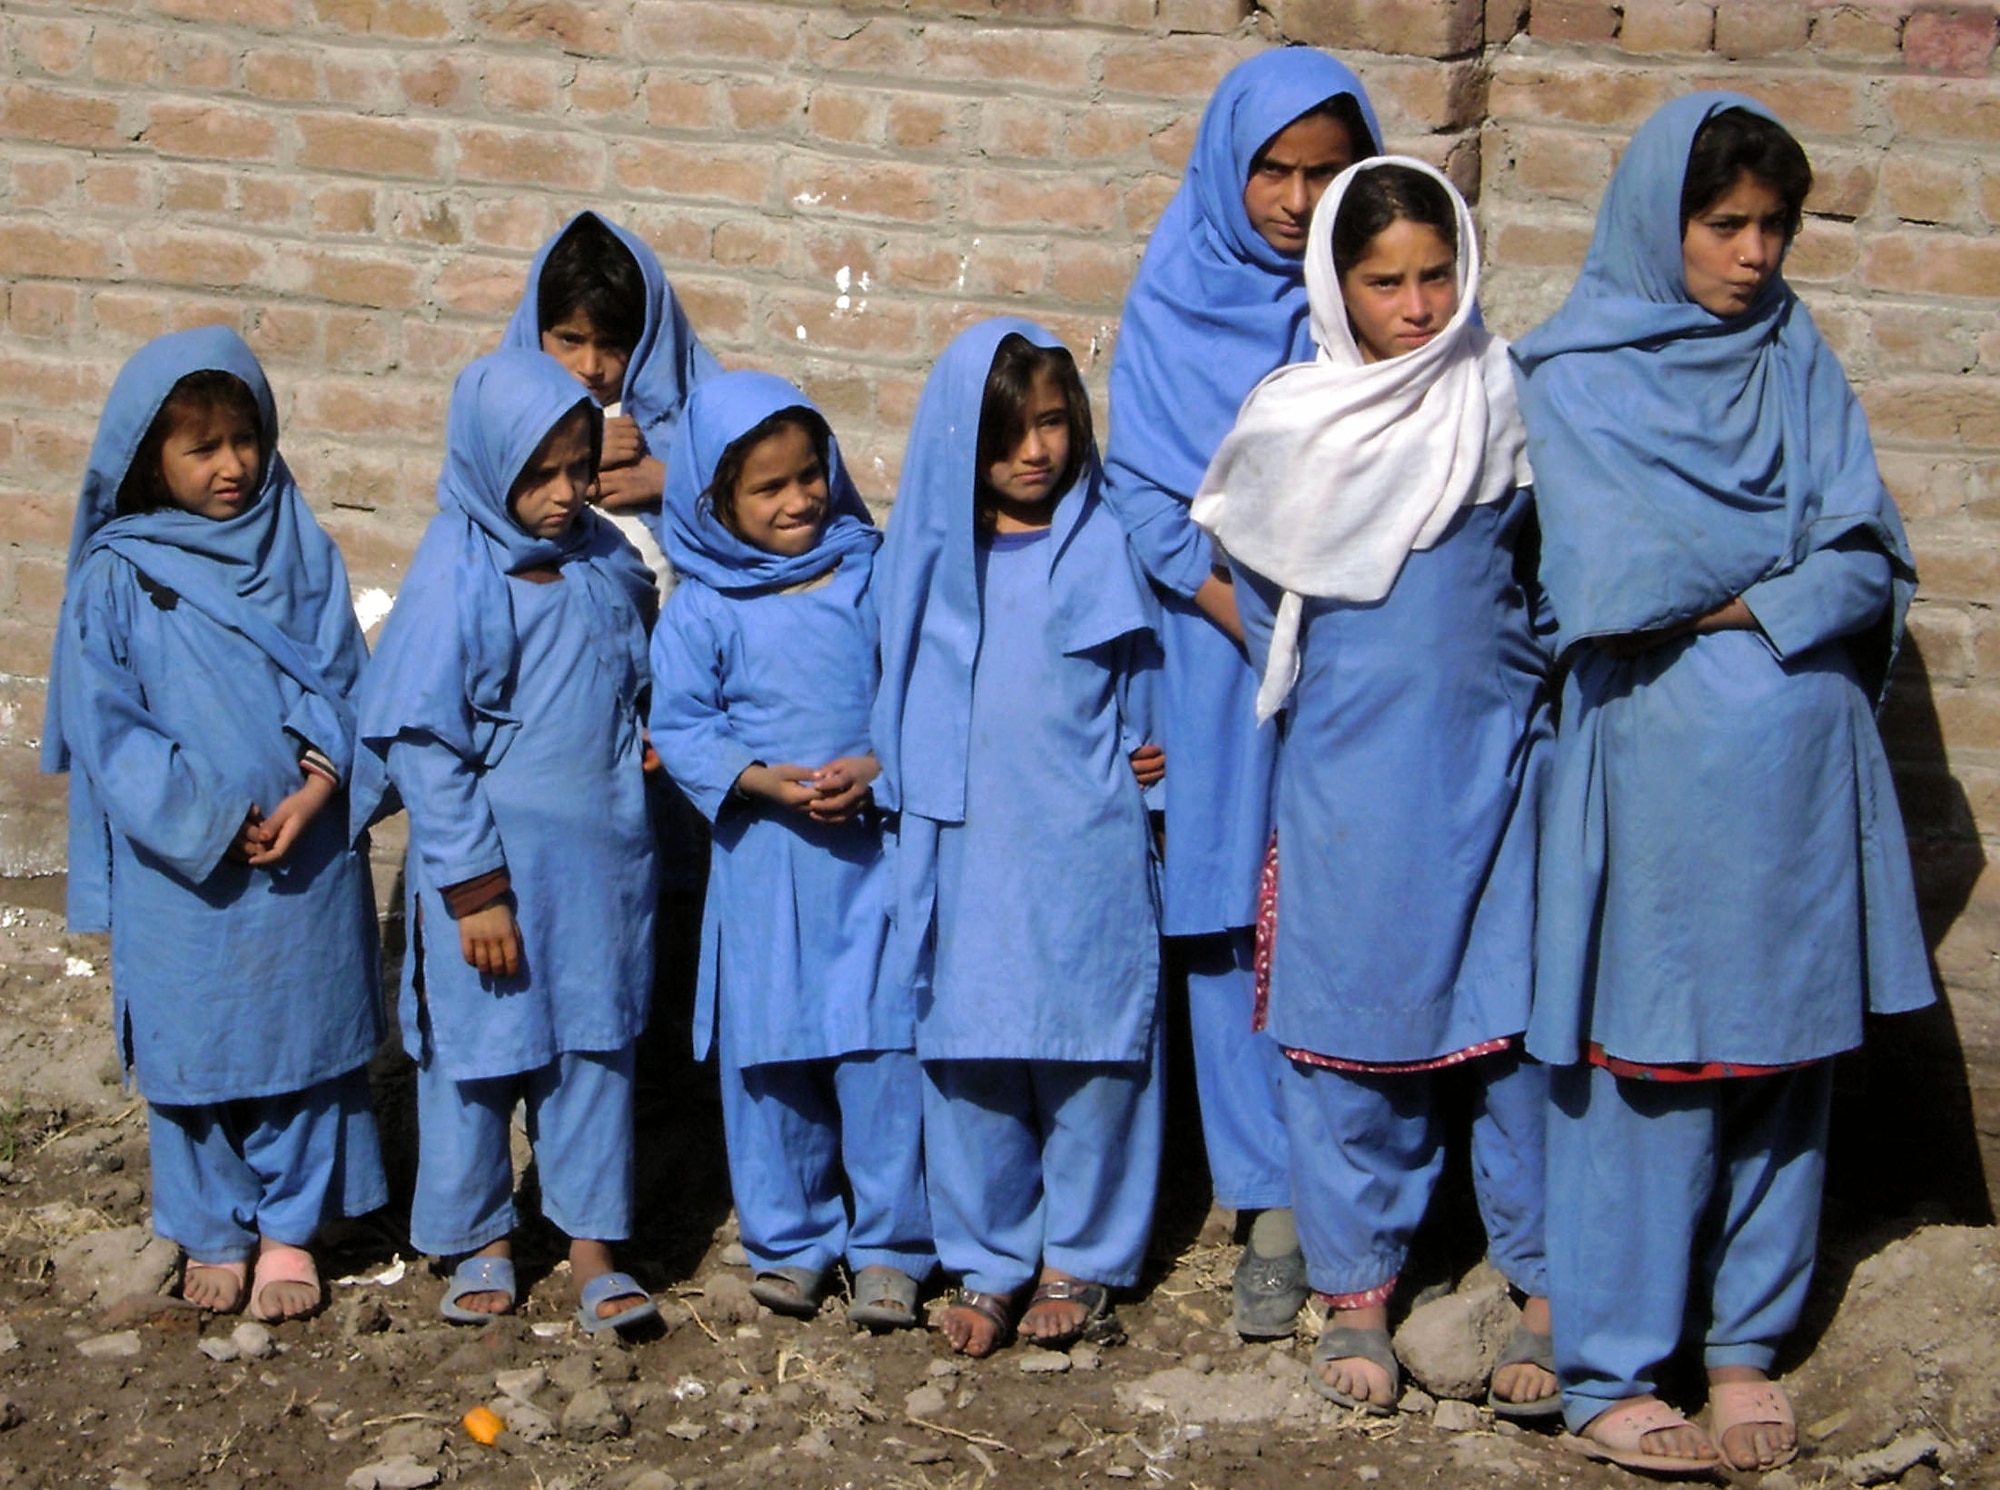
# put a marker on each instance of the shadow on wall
(1906, 1139)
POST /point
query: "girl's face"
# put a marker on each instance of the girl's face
(1732, 247)
(1403, 292)
(1026, 476)
(781, 493)
(592, 358)
(552, 487)
(1289, 176)
(211, 462)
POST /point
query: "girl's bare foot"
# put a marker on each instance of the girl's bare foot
(1758, 1432)
(1681, 1440)
(974, 1323)
(492, 1300)
(1353, 1376)
(1524, 1381)
(588, 1260)
(215, 1286)
(1063, 1308)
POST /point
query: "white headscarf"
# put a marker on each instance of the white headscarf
(1338, 469)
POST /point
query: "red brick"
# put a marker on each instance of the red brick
(921, 123)
(370, 147)
(823, 253)
(359, 343)
(413, 20)
(288, 76)
(1827, 249)
(1926, 188)
(1761, 28)
(60, 382)
(58, 450)
(1942, 109)
(600, 90)
(844, 43)
(675, 30)
(1556, 163)
(1019, 130)
(1004, 268)
(670, 230)
(677, 103)
(1213, 17)
(268, 15)
(690, 170)
(372, 279)
(1933, 264)
(1989, 194)
(1145, 199)
(50, 118)
(518, 86)
(1132, 14)
(750, 243)
(721, 308)
(286, 333)
(923, 264)
(349, 210)
(1106, 132)
(763, 107)
(181, 258)
(470, 284)
(1416, 28)
(437, 83)
(25, 645)
(32, 517)
(1843, 183)
(183, 190)
(125, 54)
(54, 46)
(884, 328)
(1923, 486)
(363, 82)
(1573, 20)
(1542, 243)
(371, 407)
(1913, 338)
(267, 200)
(1935, 411)
(189, 315)
(43, 183)
(1182, 68)
(1850, 32)
(1653, 26)
(572, 162)
(835, 115)
(1032, 60)
(877, 189)
(210, 131)
(118, 184)
(1950, 39)
(1429, 96)
(573, 25)
(511, 222)
(57, 252)
(39, 311)
(38, 583)
(1093, 274)
(442, 348)
(200, 63)
(1619, 97)
(128, 316)
(1015, 200)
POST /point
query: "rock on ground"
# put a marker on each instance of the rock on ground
(1449, 1345)
(104, 1266)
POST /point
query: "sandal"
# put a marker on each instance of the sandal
(477, 1274)
(1098, 1322)
(239, 1272)
(278, 1263)
(1615, 1435)
(792, 1291)
(885, 1298)
(998, 1308)
(606, 1286)
(1526, 1348)
(1344, 1343)
(1743, 1404)
(1266, 1294)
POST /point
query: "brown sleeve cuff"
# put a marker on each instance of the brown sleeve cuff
(475, 894)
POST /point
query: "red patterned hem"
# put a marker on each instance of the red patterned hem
(1392, 1068)
(1367, 1298)
(1267, 934)
(1684, 1070)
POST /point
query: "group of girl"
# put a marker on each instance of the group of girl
(1309, 615)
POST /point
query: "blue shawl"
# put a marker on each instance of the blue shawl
(667, 363)
(716, 414)
(270, 574)
(445, 664)
(1214, 307)
(1680, 456)
(927, 588)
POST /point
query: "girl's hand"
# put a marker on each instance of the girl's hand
(1216, 599)
(249, 838)
(289, 819)
(489, 940)
(784, 785)
(1732, 615)
(623, 444)
(1149, 764)
(842, 787)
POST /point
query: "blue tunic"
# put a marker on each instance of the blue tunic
(1409, 785)
(797, 910)
(194, 659)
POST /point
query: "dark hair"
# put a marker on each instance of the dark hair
(199, 394)
(729, 470)
(590, 271)
(1734, 141)
(1385, 195)
(1343, 109)
(1003, 414)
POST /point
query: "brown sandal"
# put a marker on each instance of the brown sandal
(996, 1308)
(1098, 1321)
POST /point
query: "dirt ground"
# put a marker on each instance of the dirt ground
(1897, 1380)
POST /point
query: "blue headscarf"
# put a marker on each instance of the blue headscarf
(269, 573)
(717, 414)
(667, 363)
(927, 586)
(1215, 307)
(1682, 456)
(445, 663)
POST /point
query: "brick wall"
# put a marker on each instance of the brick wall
(356, 185)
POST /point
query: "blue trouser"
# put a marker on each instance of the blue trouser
(225, 1173)
(580, 1122)
(1686, 1204)
(1367, 1151)
(1237, 1072)
(1049, 1162)
(801, 1131)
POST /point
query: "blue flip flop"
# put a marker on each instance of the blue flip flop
(477, 1275)
(612, 1286)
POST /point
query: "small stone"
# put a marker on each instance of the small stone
(403, 1473)
(1455, 1417)
(573, 1374)
(925, 1402)
(685, 1429)
(253, 1341)
(11, 1414)
(1893, 1461)
(1368, 1474)
(1449, 1345)
(727, 1300)
(1200, 1363)
(592, 1416)
(1416, 1402)
(1085, 1356)
(1032, 1360)
(9, 1341)
(1121, 1471)
(128, 1479)
(941, 1368)
(119, 1345)
(521, 1385)
(525, 1422)
(651, 1479)
(107, 1265)
(412, 1441)
(217, 1347)
(927, 1454)
(1784, 1479)
(732, 1255)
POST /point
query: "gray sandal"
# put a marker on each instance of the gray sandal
(792, 1291)
(1341, 1343)
(1266, 1294)
(1526, 1348)
(885, 1298)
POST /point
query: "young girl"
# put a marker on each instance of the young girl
(1219, 302)
(1724, 882)
(1016, 641)
(199, 697)
(764, 669)
(503, 702)
(1373, 504)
